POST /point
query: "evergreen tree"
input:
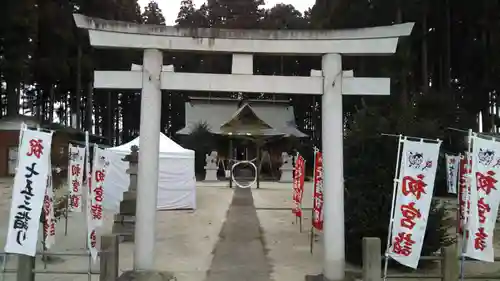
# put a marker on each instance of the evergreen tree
(17, 31)
(152, 14)
(186, 12)
(240, 14)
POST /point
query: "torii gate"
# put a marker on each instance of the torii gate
(331, 83)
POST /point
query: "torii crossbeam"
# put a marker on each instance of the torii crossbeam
(331, 83)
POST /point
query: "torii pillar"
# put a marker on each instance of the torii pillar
(331, 82)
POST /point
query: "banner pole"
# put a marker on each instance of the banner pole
(457, 226)
(66, 215)
(313, 197)
(393, 201)
(84, 192)
(303, 174)
(5, 255)
(68, 182)
(466, 197)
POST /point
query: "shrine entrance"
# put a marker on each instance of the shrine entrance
(331, 82)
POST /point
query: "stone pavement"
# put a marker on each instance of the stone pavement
(240, 252)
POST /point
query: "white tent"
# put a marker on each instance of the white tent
(176, 179)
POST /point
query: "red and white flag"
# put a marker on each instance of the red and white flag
(317, 219)
(484, 199)
(452, 167)
(95, 214)
(463, 190)
(298, 186)
(75, 177)
(413, 200)
(49, 223)
(100, 163)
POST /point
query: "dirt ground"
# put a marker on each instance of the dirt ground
(186, 239)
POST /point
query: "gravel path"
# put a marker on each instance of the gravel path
(239, 254)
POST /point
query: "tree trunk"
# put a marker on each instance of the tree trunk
(488, 117)
(117, 118)
(447, 49)
(78, 89)
(89, 106)
(403, 73)
(425, 66)
(12, 97)
(51, 104)
(109, 118)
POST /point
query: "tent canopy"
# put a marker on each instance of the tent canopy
(176, 179)
(168, 148)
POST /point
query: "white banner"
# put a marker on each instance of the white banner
(100, 163)
(49, 223)
(28, 192)
(96, 195)
(484, 198)
(413, 199)
(452, 166)
(464, 175)
(75, 177)
(91, 229)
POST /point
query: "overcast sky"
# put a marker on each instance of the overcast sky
(170, 8)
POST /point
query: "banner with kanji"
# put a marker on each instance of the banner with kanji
(91, 229)
(75, 177)
(413, 200)
(317, 219)
(452, 167)
(463, 190)
(49, 221)
(100, 163)
(28, 192)
(298, 186)
(484, 199)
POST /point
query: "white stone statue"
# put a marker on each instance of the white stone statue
(286, 168)
(211, 166)
(287, 160)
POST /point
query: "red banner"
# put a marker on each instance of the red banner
(463, 173)
(298, 186)
(317, 219)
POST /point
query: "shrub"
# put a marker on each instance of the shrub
(369, 175)
(201, 140)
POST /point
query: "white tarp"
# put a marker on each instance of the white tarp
(176, 177)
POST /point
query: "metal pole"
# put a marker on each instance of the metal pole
(89, 269)
(86, 200)
(410, 138)
(5, 255)
(4, 265)
(457, 226)
(302, 197)
(393, 201)
(313, 197)
(466, 198)
(66, 215)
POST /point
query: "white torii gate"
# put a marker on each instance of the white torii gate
(331, 82)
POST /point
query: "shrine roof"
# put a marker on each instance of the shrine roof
(275, 118)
